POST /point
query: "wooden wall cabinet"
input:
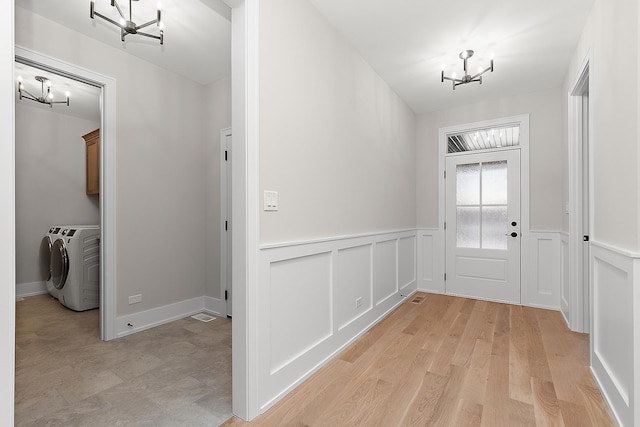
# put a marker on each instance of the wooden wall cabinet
(92, 142)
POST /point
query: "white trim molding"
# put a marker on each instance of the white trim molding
(615, 329)
(578, 312)
(318, 297)
(107, 176)
(142, 320)
(24, 290)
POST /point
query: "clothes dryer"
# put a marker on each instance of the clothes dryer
(75, 267)
(45, 258)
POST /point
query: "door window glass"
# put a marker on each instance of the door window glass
(481, 205)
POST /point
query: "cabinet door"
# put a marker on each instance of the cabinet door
(92, 142)
(93, 167)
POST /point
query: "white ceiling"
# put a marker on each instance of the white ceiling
(84, 99)
(406, 41)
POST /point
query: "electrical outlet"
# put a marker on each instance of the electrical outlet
(135, 299)
(358, 302)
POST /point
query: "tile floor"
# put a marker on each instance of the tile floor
(177, 374)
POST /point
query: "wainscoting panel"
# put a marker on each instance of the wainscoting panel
(615, 327)
(354, 286)
(385, 278)
(406, 262)
(541, 270)
(430, 261)
(301, 290)
(565, 278)
(317, 297)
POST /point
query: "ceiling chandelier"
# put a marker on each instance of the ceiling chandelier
(127, 26)
(44, 98)
(466, 78)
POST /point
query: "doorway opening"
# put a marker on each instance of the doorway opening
(106, 198)
(576, 306)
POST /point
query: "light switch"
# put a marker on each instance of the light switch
(270, 200)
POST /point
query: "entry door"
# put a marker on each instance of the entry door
(483, 225)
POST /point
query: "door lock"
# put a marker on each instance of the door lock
(514, 234)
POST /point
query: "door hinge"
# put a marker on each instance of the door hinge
(226, 295)
(445, 225)
(226, 225)
(445, 174)
(585, 238)
(225, 155)
(445, 277)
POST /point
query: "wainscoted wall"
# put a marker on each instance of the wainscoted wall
(317, 297)
(541, 266)
(615, 329)
(431, 261)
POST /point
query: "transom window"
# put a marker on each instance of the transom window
(484, 139)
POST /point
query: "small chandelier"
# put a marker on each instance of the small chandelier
(127, 26)
(44, 98)
(466, 78)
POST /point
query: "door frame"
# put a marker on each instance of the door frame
(225, 255)
(523, 122)
(107, 175)
(579, 301)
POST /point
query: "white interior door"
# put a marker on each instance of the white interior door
(228, 228)
(483, 225)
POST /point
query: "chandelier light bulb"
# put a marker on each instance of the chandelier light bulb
(48, 83)
(122, 22)
(453, 75)
(19, 79)
(67, 94)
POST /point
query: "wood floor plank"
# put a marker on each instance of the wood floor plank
(452, 361)
(545, 403)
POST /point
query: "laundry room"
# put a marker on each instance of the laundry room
(57, 126)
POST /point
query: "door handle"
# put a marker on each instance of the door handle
(514, 234)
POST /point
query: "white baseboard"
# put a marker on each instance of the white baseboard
(215, 306)
(136, 322)
(30, 289)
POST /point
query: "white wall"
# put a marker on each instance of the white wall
(611, 36)
(545, 153)
(335, 142)
(217, 116)
(50, 181)
(159, 161)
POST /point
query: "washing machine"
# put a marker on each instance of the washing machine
(45, 258)
(75, 267)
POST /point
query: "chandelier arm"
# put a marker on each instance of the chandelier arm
(115, 4)
(28, 95)
(452, 79)
(155, 21)
(149, 35)
(99, 15)
(481, 73)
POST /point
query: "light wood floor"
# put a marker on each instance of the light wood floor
(450, 361)
(178, 374)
